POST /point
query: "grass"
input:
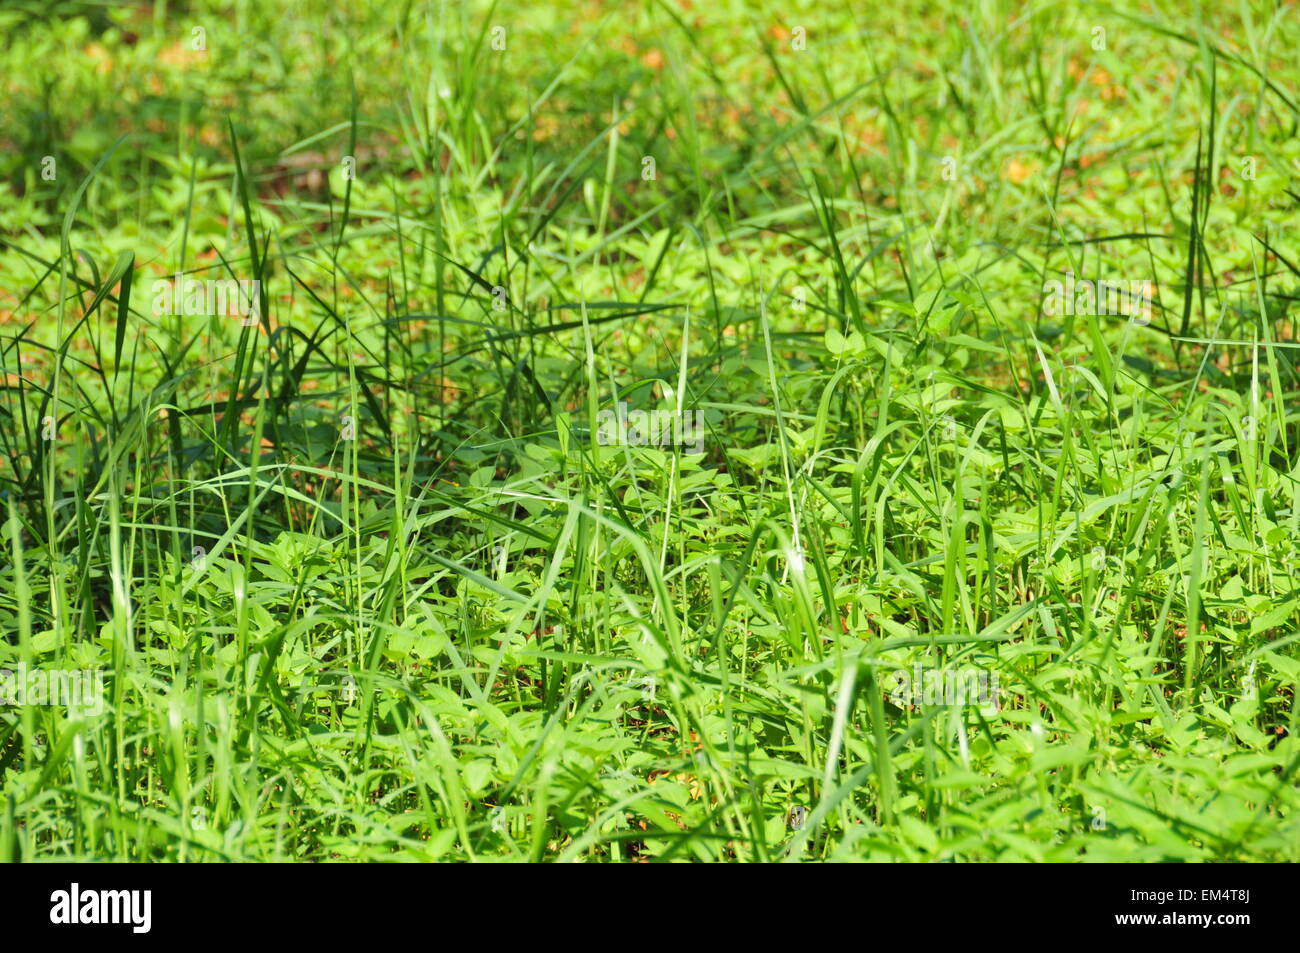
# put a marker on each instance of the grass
(362, 578)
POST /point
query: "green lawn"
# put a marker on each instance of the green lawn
(726, 431)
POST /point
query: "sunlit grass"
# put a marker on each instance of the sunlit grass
(364, 575)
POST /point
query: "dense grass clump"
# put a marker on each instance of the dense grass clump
(675, 431)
